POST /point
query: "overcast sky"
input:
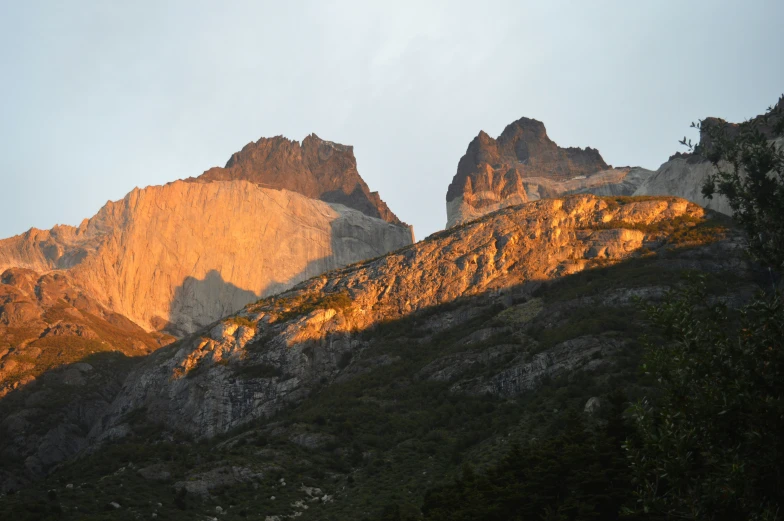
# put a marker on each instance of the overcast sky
(99, 97)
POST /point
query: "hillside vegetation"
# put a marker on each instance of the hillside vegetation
(503, 400)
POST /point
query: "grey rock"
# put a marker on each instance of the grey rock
(157, 472)
(593, 405)
(537, 241)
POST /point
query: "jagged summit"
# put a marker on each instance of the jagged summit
(178, 256)
(317, 168)
(522, 150)
(524, 164)
(769, 125)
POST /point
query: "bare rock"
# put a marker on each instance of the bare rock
(156, 472)
(684, 175)
(523, 164)
(593, 405)
(180, 256)
(317, 169)
(306, 335)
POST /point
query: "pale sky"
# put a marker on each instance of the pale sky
(97, 98)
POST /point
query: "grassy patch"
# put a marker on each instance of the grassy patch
(680, 231)
(241, 321)
(302, 305)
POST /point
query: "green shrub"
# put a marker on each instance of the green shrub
(241, 321)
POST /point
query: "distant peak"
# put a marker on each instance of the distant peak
(316, 168)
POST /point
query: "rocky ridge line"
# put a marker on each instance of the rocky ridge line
(524, 164)
(178, 256)
(304, 333)
(684, 174)
(317, 168)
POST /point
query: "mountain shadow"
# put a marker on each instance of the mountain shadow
(352, 238)
(48, 420)
(398, 406)
(197, 302)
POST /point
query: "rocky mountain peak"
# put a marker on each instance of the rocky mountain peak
(769, 125)
(522, 150)
(533, 127)
(684, 173)
(316, 168)
(178, 256)
(524, 164)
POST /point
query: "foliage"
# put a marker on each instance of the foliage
(709, 443)
(593, 320)
(751, 176)
(579, 474)
(680, 231)
(241, 321)
(392, 435)
(290, 308)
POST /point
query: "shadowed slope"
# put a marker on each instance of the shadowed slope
(387, 409)
(304, 332)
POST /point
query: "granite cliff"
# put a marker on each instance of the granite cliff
(178, 256)
(303, 333)
(524, 164)
(359, 383)
(316, 168)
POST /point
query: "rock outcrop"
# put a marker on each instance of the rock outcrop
(684, 175)
(524, 164)
(317, 169)
(277, 350)
(178, 256)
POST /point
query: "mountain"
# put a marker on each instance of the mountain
(306, 386)
(317, 169)
(46, 321)
(365, 386)
(524, 164)
(683, 175)
(54, 334)
(175, 257)
(305, 332)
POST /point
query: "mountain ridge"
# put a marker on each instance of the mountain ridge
(523, 164)
(148, 255)
(315, 168)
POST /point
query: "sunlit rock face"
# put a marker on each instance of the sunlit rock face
(287, 345)
(524, 164)
(179, 256)
(46, 321)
